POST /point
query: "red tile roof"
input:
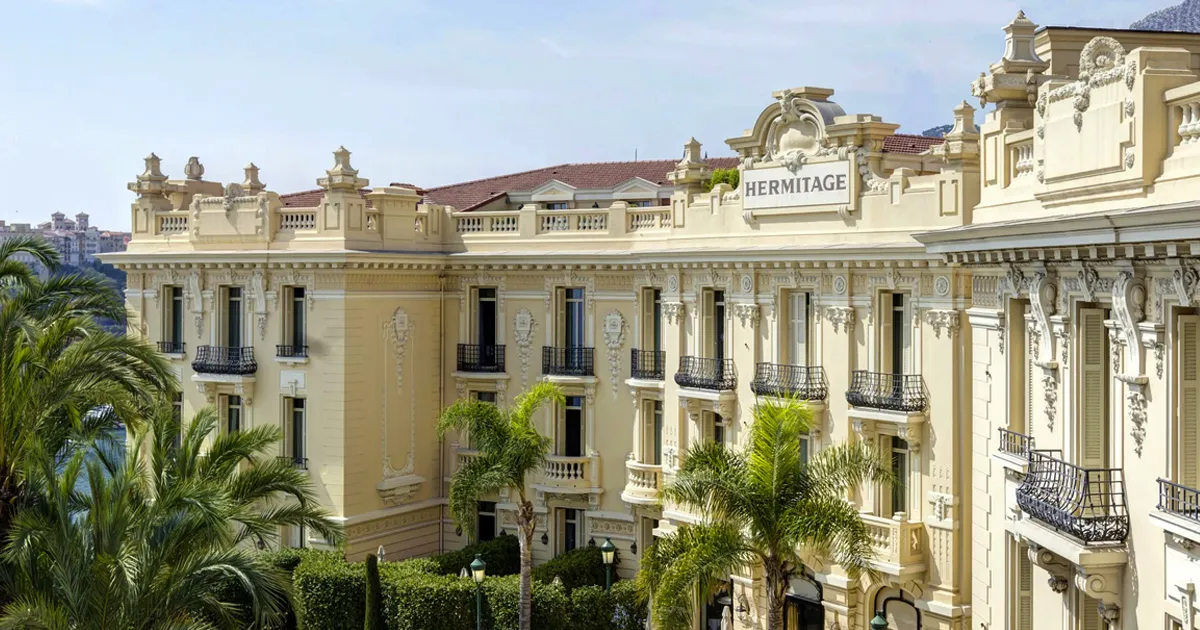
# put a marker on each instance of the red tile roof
(592, 175)
(906, 143)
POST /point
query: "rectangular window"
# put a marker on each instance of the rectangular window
(1093, 388)
(296, 431)
(658, 428)
(296, 332)
(1187, 412)
(895, 339)
(805, 448)
(719, 428)
(233, 414)
(641, 203)
(651, 320)
(712, 311)
(485, 319)
(898, 501)
(571, 436)
(556, 205)
(485, 521)
(175, 312)
(233, 317)
(572, 321)
(570, 529)
(488, 397)
(797, 328)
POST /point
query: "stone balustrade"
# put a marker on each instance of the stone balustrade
(644, 481)
(568, 472)
(898, 544)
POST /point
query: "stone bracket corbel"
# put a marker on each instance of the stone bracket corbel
(1058, 568)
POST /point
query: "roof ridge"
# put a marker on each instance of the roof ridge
(488, 179)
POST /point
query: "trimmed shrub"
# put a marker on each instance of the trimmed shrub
(731, 176)
(629, 609)
(502, 555)
(329, 593)
(422, 601)
(591, 609)
(579, 567)
(373, 617)
(502, 599)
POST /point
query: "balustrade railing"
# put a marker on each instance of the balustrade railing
(1188, 115)
(295, 461)
(298, 220)
(706, 373)
(284, 351)
(173, 224)
(562, 470)
(1022, 159)
(1086, 503)
(895, 540)
(893, 392)
(233, 361)
(649, 365)
(640, 220)
(483, 222)
(570, 361)
(1015, 443)
(805, 382)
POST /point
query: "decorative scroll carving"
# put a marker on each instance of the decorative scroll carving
(614, 339)
(747, 313)
(1137, 417)
(1050, 384)
(841, 317)
(939, 319)
(1042, 292)
(523, 328)
(1184, 279)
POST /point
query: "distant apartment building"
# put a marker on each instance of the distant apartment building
(76, 240)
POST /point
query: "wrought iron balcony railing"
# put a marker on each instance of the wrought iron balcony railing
(235, 361)
(567, 361)
(297, 462)
(480, 358)
(1178, 499)
(706, 373)
(1014, 443)
(291, 352)
(1086, 503)
(650, 365)
(894, 392)
(171, 347)
(774, 379)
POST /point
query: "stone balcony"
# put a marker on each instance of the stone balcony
(643, 483)
(899, 546)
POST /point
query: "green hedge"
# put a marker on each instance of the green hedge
(551, 607)
(329, 594)
(502, 555)
(576, 568)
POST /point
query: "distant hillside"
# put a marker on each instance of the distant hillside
(1183, 17)
(937, 132)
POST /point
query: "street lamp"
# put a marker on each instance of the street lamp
(608, 552)
(879, 622)
(478, 570)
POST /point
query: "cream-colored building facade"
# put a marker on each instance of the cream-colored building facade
(1009, 313)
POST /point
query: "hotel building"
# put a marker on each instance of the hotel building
(1009, 313)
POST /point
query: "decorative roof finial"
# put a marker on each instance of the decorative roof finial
(194, 169)
(151, 182)
(251, 183)
(153, 166)
(342, 175)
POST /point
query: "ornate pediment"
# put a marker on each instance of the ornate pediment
(792, 129)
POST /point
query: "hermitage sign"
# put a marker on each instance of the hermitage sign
(812, 185)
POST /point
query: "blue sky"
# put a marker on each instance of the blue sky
(438, 92)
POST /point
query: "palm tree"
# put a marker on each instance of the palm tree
(761, 505)
(510, 448)
(163, 537)
(62, 375)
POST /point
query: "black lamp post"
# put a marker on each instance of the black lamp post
(478, 570)
(608, 552)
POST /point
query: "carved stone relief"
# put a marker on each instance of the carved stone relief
(614, 339)
(523, 329)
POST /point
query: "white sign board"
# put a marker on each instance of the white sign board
(812, 185)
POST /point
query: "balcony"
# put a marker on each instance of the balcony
(804, 382)
(480, 359)
(704, 373)
(219, 360)
(643, 483)
(899, 545)
(1087, 504)
(904, 393)
(647, 365)
(1015, 444)
(300, 463)
(572, 361)
(176, 348)
(567, 473)
(291, 352)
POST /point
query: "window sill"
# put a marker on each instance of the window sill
(481, 376)
(906, 418)
(292, 360)
(645, 383)
(175, 356)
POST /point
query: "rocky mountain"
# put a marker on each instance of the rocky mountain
(1184, 17)
(939, 131)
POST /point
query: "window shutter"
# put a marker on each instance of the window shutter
(706, 323)
(647, 324)
(1089, 615)
(560, 317)
(798, 328)
(473, 314)
(1024, 590)
(885, 332)
(906, 331)
(1189, 400)
(1092, 396)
